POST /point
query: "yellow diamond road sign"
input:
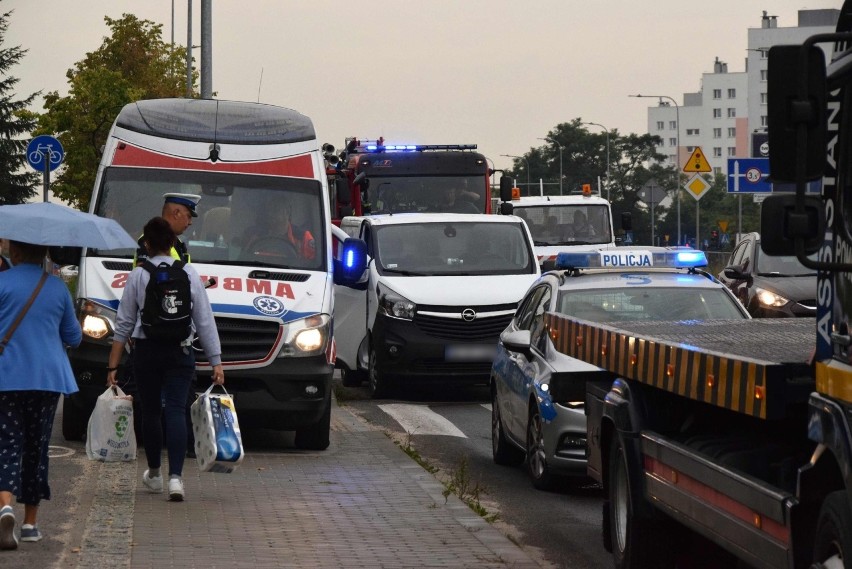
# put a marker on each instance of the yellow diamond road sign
(697, 186)
(697, 162)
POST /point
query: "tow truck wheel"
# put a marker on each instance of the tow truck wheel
(74, 422)
(377, 384)
(834, 532)
(635, 542)
(315, 437)
(537, 467)
(502, 451)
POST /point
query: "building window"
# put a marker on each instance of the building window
(732, 132)
(732, 113)
(717, 170)
(763, 73)
(763, 98)
(672, 125)
(717, 151)
(732, 93)
(732, 151)
(672, 142)
(717, 133)
(693, 131)
(717, 113)
(690, 148)
(717, 93)
(763, 121)
(660, 125)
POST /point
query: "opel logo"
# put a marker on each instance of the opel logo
(468, 314)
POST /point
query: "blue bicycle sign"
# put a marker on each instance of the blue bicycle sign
(45, 149)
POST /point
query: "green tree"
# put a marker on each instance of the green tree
(132, 63)
(17, 180)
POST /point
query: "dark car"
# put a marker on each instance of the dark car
(770, 286)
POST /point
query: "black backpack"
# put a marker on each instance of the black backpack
(167, 312)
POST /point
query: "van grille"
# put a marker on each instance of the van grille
(454, 328)
(243, 339)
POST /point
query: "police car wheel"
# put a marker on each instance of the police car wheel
(536, 457)
(502, 451)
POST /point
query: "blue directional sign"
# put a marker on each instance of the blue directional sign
(748, 176)
(45, 149)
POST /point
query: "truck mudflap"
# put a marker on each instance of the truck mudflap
(740, 513)
(708, 361)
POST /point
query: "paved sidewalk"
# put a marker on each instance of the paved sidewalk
(361, 503)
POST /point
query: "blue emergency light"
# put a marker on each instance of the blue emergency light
(625, 258)
(416, 147)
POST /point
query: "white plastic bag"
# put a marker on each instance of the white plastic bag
(218, 443)
(110, 436)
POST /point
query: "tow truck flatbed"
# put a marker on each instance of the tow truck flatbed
(709, 361)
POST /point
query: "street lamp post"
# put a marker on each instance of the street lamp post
(560, 160)
(528, 167)
(607, 155)
(677, 150)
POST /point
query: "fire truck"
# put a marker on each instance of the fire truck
(731, 439)
(370, 177)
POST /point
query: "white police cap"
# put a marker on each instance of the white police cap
(188, 200)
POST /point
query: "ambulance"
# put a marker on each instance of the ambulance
(262, 236)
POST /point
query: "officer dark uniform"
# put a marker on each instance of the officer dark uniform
(179, 251)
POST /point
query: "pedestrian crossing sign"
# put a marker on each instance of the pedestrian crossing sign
(697, 162)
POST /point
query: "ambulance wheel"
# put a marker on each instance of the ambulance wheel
(635, 541)
(74, 421)
(377, 383)
(315, 437)
(833, 545)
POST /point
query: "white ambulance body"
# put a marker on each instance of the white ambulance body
(252, 165)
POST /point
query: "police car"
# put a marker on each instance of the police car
(537, 411)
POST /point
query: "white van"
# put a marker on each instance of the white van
(440, 288)
(252, 165)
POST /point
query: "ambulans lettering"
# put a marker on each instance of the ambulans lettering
(256, 286)
(259, 287)
(626, 260)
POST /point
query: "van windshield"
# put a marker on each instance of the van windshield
(453, 248)
(242, 219)
(567, 224)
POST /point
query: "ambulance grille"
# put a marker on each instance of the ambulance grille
(243, 339)
(454, 328)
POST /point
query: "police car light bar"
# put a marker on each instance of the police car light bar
(632, 259)
(417, 147)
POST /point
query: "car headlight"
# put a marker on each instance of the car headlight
(96, 321)
(306, 336)
(395, 305)
(768, 298)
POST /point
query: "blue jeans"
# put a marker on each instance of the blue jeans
(163, 373)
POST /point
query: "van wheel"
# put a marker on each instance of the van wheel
(316, 437)
(833, 545)
(74, 421)
(378, 385)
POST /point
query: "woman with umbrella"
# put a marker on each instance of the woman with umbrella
(34, 371)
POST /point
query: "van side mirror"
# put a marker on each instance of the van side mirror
(789, 110)
(349, 268)
(506, 188)
(780, 225)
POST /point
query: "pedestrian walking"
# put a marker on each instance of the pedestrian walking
(163, 368)
(34, 371)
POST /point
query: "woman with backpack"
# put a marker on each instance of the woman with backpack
(163, 300)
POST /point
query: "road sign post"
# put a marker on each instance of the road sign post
(652, 193)
(45, 153)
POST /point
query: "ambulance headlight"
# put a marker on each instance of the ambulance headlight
(395, 305)
(306, 337)
(96, 321)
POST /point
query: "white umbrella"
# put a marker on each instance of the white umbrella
(45, 223)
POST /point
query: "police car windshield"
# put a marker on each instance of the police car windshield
(242, 219)
(567, 224)
(648, 303)
(453, 248)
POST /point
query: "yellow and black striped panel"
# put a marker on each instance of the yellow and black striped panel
(736, 383)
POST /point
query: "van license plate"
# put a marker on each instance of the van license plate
(470, 353)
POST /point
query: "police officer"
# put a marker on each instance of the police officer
(178, 210)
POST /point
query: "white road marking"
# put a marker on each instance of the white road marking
(486, 405)
(420, 420)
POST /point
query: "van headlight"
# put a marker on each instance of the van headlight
(395, 305)
(306, 337)
(96, 321)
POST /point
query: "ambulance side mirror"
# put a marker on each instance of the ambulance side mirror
(351, 265)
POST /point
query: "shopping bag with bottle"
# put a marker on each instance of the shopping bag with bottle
(218, 443)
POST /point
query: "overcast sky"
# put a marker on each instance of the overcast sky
(496, 73)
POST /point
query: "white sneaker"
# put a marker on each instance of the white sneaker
(153, 484)
(8, 539)
(175, 489)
